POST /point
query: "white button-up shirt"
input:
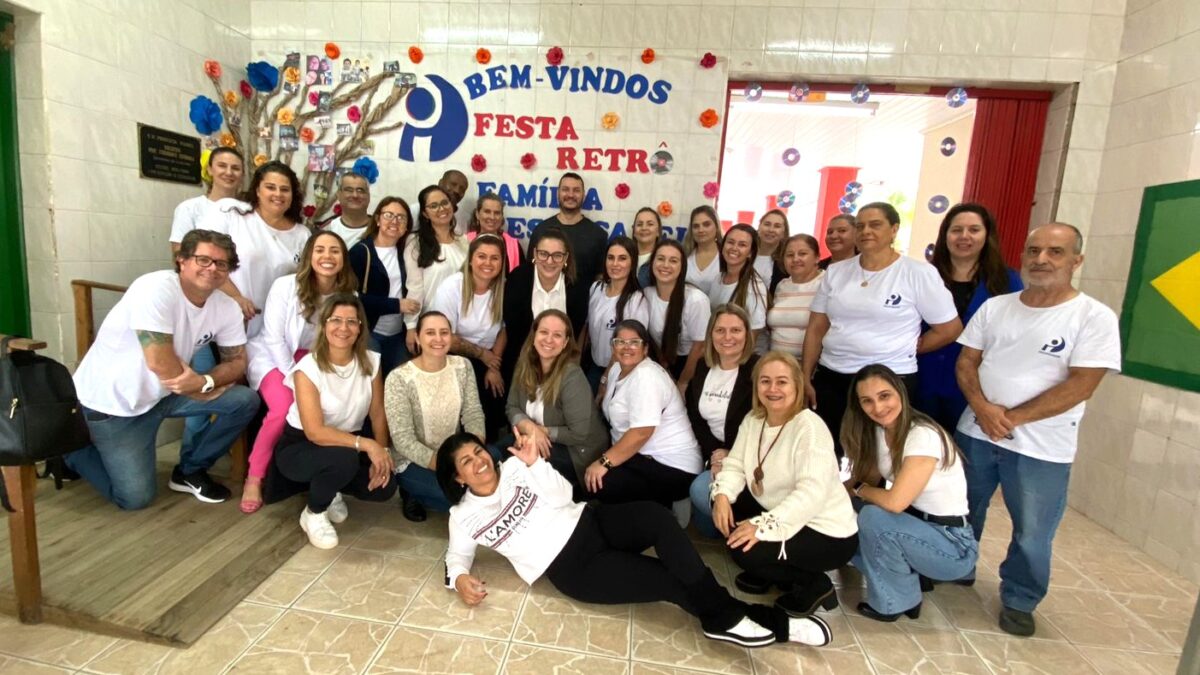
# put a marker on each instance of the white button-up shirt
(555, 298)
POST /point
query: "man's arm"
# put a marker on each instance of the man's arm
(993, 419)
(232, 367)
(1079, 386)
(159, 350)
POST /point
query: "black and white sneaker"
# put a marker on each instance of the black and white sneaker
(810, 630)
(746, 633)
(199, 484)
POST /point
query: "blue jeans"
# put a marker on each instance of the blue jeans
(120, 461)
(203, 361)
(702, 507)
(421, 483)
(1035, 492)
(392, 350)
(894, 549)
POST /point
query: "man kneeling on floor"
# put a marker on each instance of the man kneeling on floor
(136, 374)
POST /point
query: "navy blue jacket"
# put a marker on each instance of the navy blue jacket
(373, 281)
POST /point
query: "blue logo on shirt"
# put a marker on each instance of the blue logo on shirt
(204, 339)
(1053, 347)
(445, 131)
(893, 300)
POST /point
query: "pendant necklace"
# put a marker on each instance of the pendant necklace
(756, 486)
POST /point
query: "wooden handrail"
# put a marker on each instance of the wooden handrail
(20, 343)
(85, 321)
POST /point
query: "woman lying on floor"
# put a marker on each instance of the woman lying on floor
(522, 509)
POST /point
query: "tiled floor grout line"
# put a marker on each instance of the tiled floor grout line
(379, 650)
(238, 657)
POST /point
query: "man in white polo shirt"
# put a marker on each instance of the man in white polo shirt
(1029, 362)
(136, 374)
(354, 195)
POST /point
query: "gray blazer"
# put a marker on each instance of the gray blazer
(573, 420)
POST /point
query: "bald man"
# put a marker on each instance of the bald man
(454, 183)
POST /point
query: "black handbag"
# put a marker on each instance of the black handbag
(40, 415)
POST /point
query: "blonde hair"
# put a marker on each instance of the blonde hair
(529, 373)
(321, 347)
(306, 283)
(710, 350)
(496, 286)
(756, 405)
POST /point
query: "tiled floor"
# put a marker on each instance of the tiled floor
(376, 605)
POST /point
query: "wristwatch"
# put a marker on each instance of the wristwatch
(209, 384)
(605, 461)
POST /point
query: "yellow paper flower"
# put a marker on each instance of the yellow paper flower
(260, 159)
(228, 140)
(610, 120)
(286, 116)
(291, 75)
(204, 174)
(231, 99)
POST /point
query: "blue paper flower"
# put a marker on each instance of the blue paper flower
(366, 167)
(206, 115)
(262, 76)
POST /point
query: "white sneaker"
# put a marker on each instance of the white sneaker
(810, 630)
(746, 633)
(319, 530)
(337, 510)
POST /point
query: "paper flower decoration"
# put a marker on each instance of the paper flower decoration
(647, 56)
(332, 50)
(478, 163)
(708, 60)
(354, 114)
(231, 99)
(262, 76)
(554, 56)
(366, 167)
(709, 118)
(307, 135)
(528, 160)
(246, 89)
(228, 140)
(665, 209)
(212, 68)
(483, 56)
(337, 209)
(260, 159)
(291, 75)
(622, 190)
(309, 210)
(415, 54)
(285, 116)
(610, 120)
(314, 97)
(205, 114)
(711, 189)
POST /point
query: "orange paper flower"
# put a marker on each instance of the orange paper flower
(647, 56)
(291, 75)
(212, 68)
(709, 118)
(665, 209)
(415, 54)
(285, 116)
(332, 50)
(260, 159)
(610, 120)
(231, 99)
(483, 56)
(307, 135)
(228, 140)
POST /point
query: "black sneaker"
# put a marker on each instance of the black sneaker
(200, 485)
(805, 601)
(412, 509)
(1016, 622)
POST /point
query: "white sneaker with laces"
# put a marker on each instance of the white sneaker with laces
(319, 530)
(337, 510)
(746, 633)
(810, 630)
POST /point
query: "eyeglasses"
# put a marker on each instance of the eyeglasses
(340, 321)
(207, 262)
(355, 190)
(392, 217)
(543, 256)
(438, 206)
(632, 342)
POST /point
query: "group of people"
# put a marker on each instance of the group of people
(571, 402)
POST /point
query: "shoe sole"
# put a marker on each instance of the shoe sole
(315, 544)
(195, 492)
(828, 602)
(740, 640)
(752, 590)
(826, 631)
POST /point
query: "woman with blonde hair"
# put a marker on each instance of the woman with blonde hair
(702, 248)
(488, 218)
(773, 233)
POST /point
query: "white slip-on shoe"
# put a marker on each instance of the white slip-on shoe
(809, 630)
(337, 511)
(746, 633)
(319, 530)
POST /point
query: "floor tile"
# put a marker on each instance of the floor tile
(49, 644)
(414, 650)
(892, 648)
(843, 655)
(1116, 662)
(667, 635)
(306, 642)
(367, 585)
(1171, 617)
(11, 665)
(1025, 656)
(530, 660)
(292, 578)
(1094, 618)
(439, 608)
(977, 608)
(397, 536)
(551, 619)
(931, 617)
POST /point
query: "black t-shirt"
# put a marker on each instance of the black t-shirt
(962, 291)
(588, 244)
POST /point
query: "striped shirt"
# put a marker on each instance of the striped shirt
(788, 317)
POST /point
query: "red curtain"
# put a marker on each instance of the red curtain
(1006, 147)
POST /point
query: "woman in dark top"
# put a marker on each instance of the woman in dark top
(967, 256)
(377, 262)
(839, 239)
(717, 400)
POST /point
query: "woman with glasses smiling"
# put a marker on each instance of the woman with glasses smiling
(431, 256)
(375, 260)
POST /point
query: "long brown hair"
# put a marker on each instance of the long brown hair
(777, 254)
(745, 282)
(529, 373)
(990, 269)
(858, 430)
(373, 227)
(689, 242)
(673, 323)
(306, 280)
(321, 348)
(631, 286)
(497, 284)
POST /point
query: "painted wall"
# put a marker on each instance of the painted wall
(940, 175)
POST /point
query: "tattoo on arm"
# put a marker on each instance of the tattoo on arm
(148, 338)
(231, 353)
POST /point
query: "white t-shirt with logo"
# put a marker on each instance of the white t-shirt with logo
(476, 325)
(714, 399)
(192, 212)
(114, 378)
(602, 319)
(345, 393)
(351, 235)
(647, 397)
(1027, 350)
(265, 254)
(693, 324)
(704, 279)
(946, 492)
(881, 322)
(390, 324)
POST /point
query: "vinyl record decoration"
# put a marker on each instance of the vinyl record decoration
(956, 97)
(754, 91)
(846, 204)
(948, 146)
(938, 204)
(860, 93)
(798, 92)
(785, 199)
(854, 189)
(791, 157)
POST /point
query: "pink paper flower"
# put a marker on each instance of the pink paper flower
(708, 60)
(337, 209)
(478, 163)
(314, 97)
(354, 114)
(622, 190)
(554, 56)
(246, 89)
(309, 211)
(528, 160)
(212, 69)
(711, 189)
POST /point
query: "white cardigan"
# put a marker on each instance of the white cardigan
(284, 331)
(801, 486)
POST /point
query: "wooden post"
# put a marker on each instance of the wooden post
(22, 536)
(84, 323)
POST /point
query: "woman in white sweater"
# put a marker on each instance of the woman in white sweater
(778, 498)
(522, 509)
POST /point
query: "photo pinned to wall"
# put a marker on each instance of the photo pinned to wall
(367, 147)
(320, 157)
(292, 61)
(391, 66)
(344, 129)
(235, 120)
(406, 80)
(320, 71)
(211, 142)
(289, 140)
(265, 132)
(324, 122)
(320, 192)
(324, 100)
(355, 70)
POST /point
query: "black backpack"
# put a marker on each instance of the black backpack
(40, 415)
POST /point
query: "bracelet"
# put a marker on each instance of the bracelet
(356, 441)
(603, 379)
(605, 461)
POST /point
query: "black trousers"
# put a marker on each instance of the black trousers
(641, 478)
(809, 553)
(833, 389)
(327, 470)
(494, 420)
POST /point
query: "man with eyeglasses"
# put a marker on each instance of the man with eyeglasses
(354, 194)
(589, 241)
(454, 183)
(136, 374)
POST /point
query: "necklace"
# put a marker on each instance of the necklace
(863, 272)
(756, 486)
(349, 368)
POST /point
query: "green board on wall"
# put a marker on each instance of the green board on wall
(1160, 320)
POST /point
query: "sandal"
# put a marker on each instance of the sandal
(251, 505)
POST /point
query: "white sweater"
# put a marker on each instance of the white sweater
(801, 486)
(284, 330)
(528, 519)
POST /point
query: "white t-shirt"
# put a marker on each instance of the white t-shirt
(788, 317)
(714, 399)
(704, 279)
(351, 235)
(946, 492)
(879, 323)
(345, 392)
(602, 319)
(647, 397)
(555, 298)
(476, 326)
(192, 212)
(423, 282)
(1027, 350)
(643, 258)
(756, 300)
(113, 377)
(696, 311)
(265, 253)
(536, 409)
(390, 324)
(765, 266)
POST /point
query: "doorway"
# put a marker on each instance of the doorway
(14, 287)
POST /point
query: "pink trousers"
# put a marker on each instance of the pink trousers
(279, 398)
